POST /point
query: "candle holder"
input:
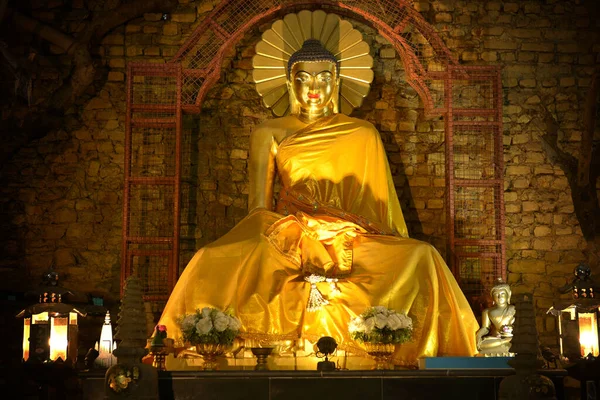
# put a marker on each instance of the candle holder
(261, 354)
(326, 346)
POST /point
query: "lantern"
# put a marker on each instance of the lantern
(50, 326)
(577, 329)
(578, 317)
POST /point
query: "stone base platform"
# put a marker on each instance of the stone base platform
(344, 385)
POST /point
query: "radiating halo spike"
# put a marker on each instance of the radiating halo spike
(293, 27)
(262, 61)
(332, 21)
(305, 21)
(345, 28)
(274, 95)
(318, 23)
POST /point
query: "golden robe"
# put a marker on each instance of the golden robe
(338, 215)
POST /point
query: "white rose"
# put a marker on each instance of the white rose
(234, 324)
(188, 322)
(361, 327)
(380, 321)
(405, 320)
(206, 312)
(219, 314)
(380, 309)
(204, 326)
(357, 324)
(354, 325)
(221, 322)
(394, 322)
(369, 325)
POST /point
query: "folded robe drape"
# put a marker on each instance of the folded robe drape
(338, 215)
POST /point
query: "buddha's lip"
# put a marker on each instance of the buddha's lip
(313, 96)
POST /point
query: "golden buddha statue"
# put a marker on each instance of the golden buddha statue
(495, 335)
(336, 243)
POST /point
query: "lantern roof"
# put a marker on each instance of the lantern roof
(58, 308)
(581, 305)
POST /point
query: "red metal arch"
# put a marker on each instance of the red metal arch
(157, 94)
(392, 21)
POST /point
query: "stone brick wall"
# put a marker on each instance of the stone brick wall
(548, 52)
(62, 195)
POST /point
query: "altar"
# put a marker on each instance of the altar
(465, 384)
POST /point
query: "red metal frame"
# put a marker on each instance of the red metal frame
(497, 255)
(231, 19)
(173, 120)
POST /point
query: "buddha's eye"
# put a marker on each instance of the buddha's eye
(324, 77)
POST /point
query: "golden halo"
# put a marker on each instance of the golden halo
(287, 35)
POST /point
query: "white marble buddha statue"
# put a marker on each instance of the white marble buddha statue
(495, 335)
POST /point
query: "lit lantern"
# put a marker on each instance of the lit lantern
(578, 317)
(588, 333)
(577, 329)
(50, 326)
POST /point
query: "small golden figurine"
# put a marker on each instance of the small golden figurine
(495, 335)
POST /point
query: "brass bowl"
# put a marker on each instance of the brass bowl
(261, 353)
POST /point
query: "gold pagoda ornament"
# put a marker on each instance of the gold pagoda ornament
(287, 35)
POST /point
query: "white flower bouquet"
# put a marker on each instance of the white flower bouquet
(210, 326)
(380, 325)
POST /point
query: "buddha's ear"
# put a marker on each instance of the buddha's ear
(336, 98)
(293, 107)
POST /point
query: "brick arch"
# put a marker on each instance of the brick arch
(468, 97)
(202, 54)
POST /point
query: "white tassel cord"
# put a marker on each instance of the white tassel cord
(315, 297)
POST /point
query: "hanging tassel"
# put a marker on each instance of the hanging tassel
(315, 297)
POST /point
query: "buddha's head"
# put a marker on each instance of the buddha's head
(313, 81)
(501, 294)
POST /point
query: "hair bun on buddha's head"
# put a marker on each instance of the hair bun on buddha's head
(312, 50)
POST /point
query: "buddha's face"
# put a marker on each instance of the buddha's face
(501, 297)
(314, 85)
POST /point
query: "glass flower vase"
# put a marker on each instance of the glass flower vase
(381, 353)
(210, 352)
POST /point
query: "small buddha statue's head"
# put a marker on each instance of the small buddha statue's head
(313, 81)
(501, 294)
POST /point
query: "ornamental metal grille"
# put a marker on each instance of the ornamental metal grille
(475, 177)
(151, 206)
(469, 98)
